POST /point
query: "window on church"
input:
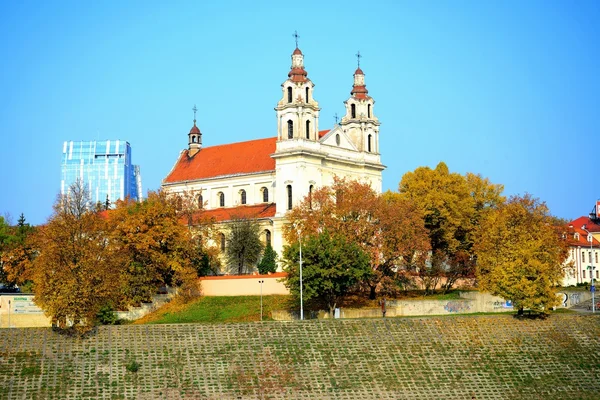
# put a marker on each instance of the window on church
(583, 274)
(369, 143)
(369, 110)
(308, 129)
(289, 93)
(221, 197)
(290, 129)
(353, 110)
(193, 139)
(289, 197)
(222, 239)
(267, 237)
(200, 202)
(265, 193)
(307, 89)
(310, 190)
(243, 196)
(583, 256)
(337, 139)
(596, 254)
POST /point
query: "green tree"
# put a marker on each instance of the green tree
(244, 247)
(331, 265)
(268, 263)
(520, 254)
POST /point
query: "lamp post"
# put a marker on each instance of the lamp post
(593, 288)
(300, 243)
(261, 307)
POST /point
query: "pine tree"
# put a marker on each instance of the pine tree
(269, 260)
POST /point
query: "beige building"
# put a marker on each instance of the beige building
(264, 178)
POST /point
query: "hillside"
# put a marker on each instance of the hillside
(482, 357)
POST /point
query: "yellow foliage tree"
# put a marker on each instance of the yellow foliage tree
(73, 274)
(520, 254)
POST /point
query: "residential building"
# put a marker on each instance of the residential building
(584, 254)
(104, 166)
(264, 178)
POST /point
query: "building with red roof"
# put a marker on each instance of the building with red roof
(583, 236)
(264, 178)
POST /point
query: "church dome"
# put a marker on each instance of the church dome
(195, 129)
(297, 51)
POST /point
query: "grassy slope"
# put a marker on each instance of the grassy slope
(482, 357)
(216, 309)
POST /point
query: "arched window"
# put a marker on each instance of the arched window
(267, 237)
(193, 139)
(310, 189)
(337, 139)
(200, 202)
(353, 110)
(308, 129)
(369, 111)
(222, 239)
(289, 92)
(221, 197)
(369, 143)
(289, 197)
(290, 129)
(265, 193)
(307, 94)
(243, 196)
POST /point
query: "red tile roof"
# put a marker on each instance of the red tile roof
(228, 159)
(575, 226)
(323, 133)
(265, 210)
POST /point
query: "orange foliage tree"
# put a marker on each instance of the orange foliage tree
(158, 248)
(388, 229)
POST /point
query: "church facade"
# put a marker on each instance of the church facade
(265, 178)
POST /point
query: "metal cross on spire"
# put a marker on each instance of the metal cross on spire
(358, 56)
(194, 110)
(296, 36)
(336, 118)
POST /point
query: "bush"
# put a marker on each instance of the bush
(106, 315)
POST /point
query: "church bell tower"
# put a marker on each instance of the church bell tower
(297, 111)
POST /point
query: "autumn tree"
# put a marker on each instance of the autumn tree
(389, 229)
(244, 247)
(158, 248)
(331, 265)
(453, 206)
(73, 272)
(520, 254)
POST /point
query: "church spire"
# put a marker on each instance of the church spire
(359, 89)
(297, 71)
(194, 137)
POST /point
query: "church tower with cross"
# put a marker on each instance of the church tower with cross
(360, 123)
(297, 111)
(194, 137)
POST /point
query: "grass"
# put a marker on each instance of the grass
(216, 310)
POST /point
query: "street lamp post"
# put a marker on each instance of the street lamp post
(301, 307)
(593, 288)
(261, 304)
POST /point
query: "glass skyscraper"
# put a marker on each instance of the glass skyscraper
(105, 168)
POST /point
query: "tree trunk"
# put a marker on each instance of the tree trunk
(372, 294)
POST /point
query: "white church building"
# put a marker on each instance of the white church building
(264, 178)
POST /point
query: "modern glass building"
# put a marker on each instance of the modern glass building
(105, 168)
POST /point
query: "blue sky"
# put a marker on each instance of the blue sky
(508, 89)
